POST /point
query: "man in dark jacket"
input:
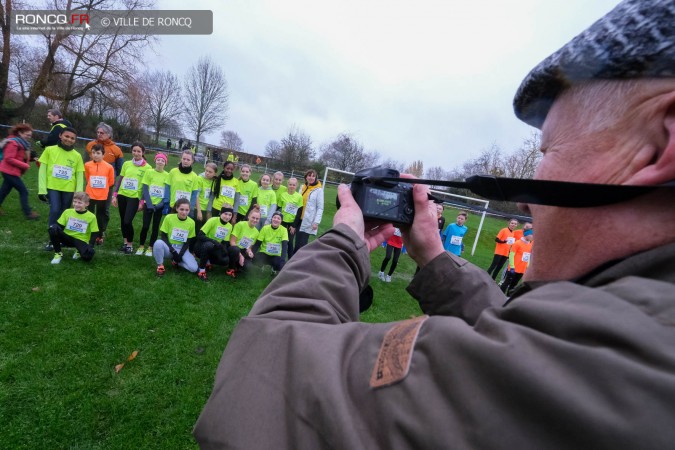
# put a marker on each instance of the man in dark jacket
(582, 356)
(58, 123)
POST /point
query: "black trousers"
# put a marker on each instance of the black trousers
(210, 251)
(262, 259)
(387, 256)
(59, 239)
(153, 216)
(98, 208)
(128, 208)
(511, 280)
(497, 263)
(291, 237)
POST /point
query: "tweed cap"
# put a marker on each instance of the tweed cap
(634, 40)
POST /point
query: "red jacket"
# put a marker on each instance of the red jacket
(14, 160)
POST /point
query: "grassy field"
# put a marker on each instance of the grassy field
(64, 328)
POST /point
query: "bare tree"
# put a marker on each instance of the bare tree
(436, 173)
(346, 153)
(416, 168)
(489, 162)
(206, 98)
(67, 65)
(231, 141)
(524, 161)
(273, 150)
(164, 100)
(296, 150)
(390, 163)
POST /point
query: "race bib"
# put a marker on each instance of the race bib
(222, 232)
(98, 182)
(227, 191)
(245, 242)
(207, 192)
(77, 225)
(180, 235)
(510, 240)
(182, 194)
(62, 172)
(263, 210)
(397, 232)
(456, 240)
(526, 257)
(273, 249)
(156, 191)
(130, 184)
(243, 200)
(291, 208)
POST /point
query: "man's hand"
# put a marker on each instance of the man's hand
(422, 239)
(350, 214)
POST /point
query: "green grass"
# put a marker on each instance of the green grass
(64, 328)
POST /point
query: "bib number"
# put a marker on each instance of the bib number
(455, 240)
(98, 182)
(77, 225)
(243, 200)
(291, 208)
(62, 172)
(182, 194)
(130, 184)
(222, 232)
(526, 257)
(227, 191)
(245, 242)
(273, 249)
(263, 210)
(207, 193)
(510, 240)
(180, 235)
(156, 191)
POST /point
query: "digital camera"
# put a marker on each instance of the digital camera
(386, 201)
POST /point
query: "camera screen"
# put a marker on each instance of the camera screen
(382, 203)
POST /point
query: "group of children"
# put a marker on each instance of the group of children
(196, 221)
(514, 246)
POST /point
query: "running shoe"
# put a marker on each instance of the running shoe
(140, 250)
(57, 258)
(148, 252)
(76, 255)
(202, 276)
(160, 270)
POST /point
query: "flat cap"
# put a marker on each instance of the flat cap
(634, 40)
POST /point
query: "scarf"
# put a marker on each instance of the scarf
(306, 191)
(185, 170)
(140, 163)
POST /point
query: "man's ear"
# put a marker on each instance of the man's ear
(659, 167)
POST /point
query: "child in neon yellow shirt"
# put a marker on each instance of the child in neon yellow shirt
(271, 247)
(243, 237)
(178, 235)
(76, 227)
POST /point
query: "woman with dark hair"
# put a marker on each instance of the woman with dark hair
(312, 209)
(15, 162)
(128, 194)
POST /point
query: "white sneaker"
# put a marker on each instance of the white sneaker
(140, 251)
(76, 255)
(57, 258)
(387, 279)
(148, 252)
(381, 276)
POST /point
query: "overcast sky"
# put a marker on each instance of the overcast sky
(429, 80)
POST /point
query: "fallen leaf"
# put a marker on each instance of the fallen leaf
(119, 367)
(35, 289)
(133, 355)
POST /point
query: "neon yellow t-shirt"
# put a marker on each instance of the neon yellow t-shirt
(214, 229)
(155, 182)
(132, 181)
(63, 169)
(78, 225)
(289, 205)
(271, 239)
(204, 192)
(179, 231)
(182, 184)
(280, 191)
(245, 235)
(228, 189)
(266, 198)
(247, 191)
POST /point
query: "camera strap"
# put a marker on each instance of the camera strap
(541, 192)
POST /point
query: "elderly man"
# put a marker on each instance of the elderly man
(583, 356)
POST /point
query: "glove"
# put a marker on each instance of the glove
(175, 257)
(43, 198)
(167, 209)
(512, 270)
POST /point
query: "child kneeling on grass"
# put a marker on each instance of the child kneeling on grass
(76, 227)
(177, 236)
(271, 246)
(213, 244)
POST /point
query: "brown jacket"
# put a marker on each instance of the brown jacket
(564, 365)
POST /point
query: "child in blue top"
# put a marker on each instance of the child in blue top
(454, 234)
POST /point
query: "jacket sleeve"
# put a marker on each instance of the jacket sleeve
(318, 214)
(42, 174)
(452, 286)
(13, 154)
